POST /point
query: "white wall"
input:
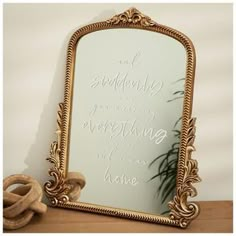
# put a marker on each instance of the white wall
(35, 42)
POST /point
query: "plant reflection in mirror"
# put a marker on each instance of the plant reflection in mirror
(167, 162)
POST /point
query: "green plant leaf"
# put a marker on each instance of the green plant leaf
(176, 131)
(163, 182)
(169, 153)
(175, 99)
(178, 80)
(170, 188)
(161, 173)
(176, 123)
(179, 92)
(174, 146)
(157, 158)
(174, 161)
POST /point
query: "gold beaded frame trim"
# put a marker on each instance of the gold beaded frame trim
(57, 189)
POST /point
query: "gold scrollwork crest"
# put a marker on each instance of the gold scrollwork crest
(133, 16)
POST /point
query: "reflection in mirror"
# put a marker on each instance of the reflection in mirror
(126, 118)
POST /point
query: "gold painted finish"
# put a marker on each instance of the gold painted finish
(57, 190)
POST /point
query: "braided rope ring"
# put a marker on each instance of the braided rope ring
(77, 181)
(22, 202)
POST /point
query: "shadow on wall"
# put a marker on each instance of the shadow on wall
(36, 163)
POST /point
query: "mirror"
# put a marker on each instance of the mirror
(126, 122)
(125, 106)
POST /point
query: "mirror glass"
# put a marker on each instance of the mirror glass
(126, 118)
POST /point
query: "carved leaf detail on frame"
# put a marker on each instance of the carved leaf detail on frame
(181, 209)
(57, 190)
(132, 16)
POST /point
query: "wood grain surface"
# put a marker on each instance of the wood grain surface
(215, 216)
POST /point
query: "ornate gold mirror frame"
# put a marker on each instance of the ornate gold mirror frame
(58, 189)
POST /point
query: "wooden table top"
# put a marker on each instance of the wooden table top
(215, 216)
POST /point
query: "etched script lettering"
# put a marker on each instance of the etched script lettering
(133, 61)
(124, 129)
(121, 82)
(123, 179)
